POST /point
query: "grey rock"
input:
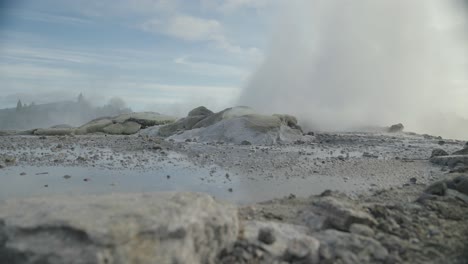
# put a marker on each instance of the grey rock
(341, 247)
(437, 188)
(291, 241)
(438, 153)
(463, 151)
(200, 111)
(396, 128)
(145, 119)
(459, 183)
(339, 214)
(126, 128)
(257, 129)
(182, 124)
(94, 126)
(117, 228)
(266, 235)
(451, 160)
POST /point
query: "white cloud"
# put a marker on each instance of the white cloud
(230, 6)
(211, 69)
(186, 27)
(196, 29)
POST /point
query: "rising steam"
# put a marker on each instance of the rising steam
(340, 64)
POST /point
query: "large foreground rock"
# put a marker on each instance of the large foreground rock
(123, 228)
(238, 125)
(255, 129)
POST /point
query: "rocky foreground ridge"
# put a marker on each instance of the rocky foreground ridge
(409, 224)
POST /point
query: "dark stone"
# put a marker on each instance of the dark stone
(265, 235)
(459, 183)
(438, 153)
(463, 151)
(437, 188)
(413, 180)
(245, 143)
(396, 128)
(200, 111)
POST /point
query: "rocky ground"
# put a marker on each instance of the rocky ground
(398, 205)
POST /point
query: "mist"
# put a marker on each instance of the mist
(341, 65)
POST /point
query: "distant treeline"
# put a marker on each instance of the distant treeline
(73, 113)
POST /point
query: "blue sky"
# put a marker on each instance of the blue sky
(155, 54)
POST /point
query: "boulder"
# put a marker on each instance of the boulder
(200, 111)
(463, 151)
(225, 114)
(117, 228)
(438, 153)
(330, 212)
(145, 119)
(126, 128)
(124, 124)
(342, 247)
(182, 124)
(396, 128)
(256, 129)
(457, 183)
(450, 160)
(276, 241)
(94, 126)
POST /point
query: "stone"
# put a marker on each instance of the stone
(145, 119)
(266, 235)
(126, 128)
(459, 183)
(342, 247)
(437, 188)
(200, 111)
(438, 153)
(257, 129)
(450, 160)
(338, 214)
(94, 126)
(291, 241)
(396, 128)
(116, 228)
(463, 151)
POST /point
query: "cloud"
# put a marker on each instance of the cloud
(230, 6)
(186, 27)
(197, 29)
(209, 69)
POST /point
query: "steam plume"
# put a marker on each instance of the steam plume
(340, 64)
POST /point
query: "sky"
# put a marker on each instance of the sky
(166, 55)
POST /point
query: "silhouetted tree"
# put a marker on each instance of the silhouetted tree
(81, 98)
(19, 106)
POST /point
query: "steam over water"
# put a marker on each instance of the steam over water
(340, 64)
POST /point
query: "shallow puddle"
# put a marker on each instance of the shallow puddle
(28, 181)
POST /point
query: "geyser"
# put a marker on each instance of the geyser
(345, 64)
